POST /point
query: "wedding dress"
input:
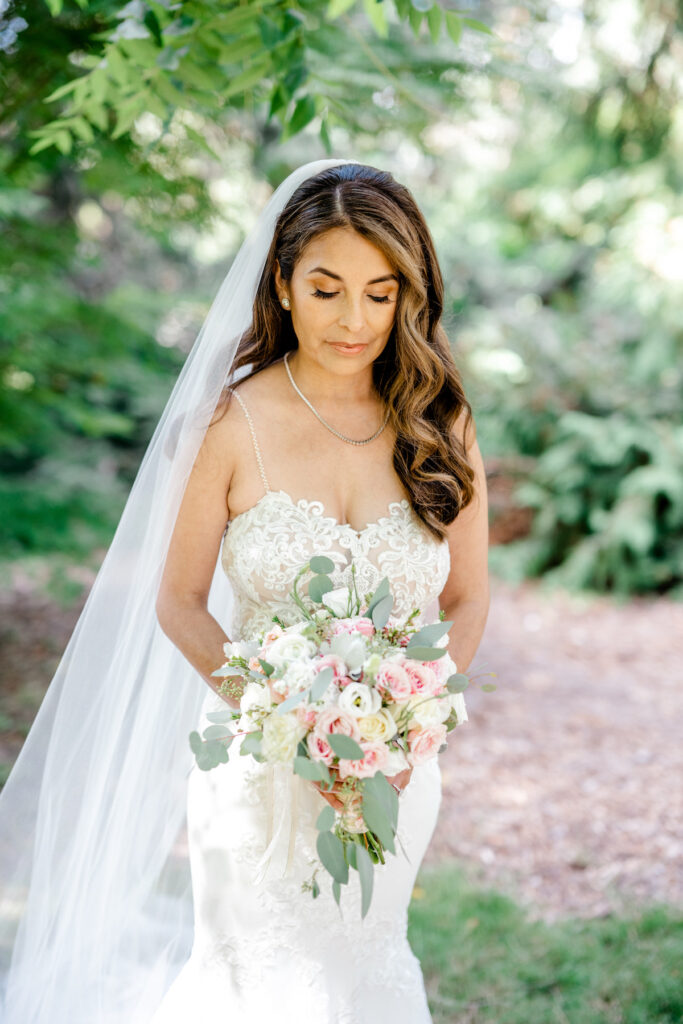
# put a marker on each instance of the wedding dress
(263, 949)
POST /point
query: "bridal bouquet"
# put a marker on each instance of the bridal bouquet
(347, 696)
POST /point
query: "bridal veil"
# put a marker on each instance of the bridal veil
(96, 914)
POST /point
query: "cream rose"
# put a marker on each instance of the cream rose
(281, 735)
(289, 647)
(379, 726)
(429, 711)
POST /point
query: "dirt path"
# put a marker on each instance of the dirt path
(565, 786)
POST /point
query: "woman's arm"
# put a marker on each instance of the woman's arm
(182, 601)
(465, 598)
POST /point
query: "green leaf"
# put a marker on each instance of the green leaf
(310, 769)
(478, 26)
(415, 19)
(219, 716)
(251, 743)
(337, 7)
(382, 590)
(457, 683)
(382, 611)
(63, 90)
(325, 819)
(336, 891)
(345, 747)
(454, 26)
(418, 653)
(152, 22)
(266, 666)
(321, 682)
(213, 732)
(292, 701)
(434, 18)
(365, 870)
(377, 819)
(304, 112)
(318, 586)
(321, 564)
(377, 17)
(428, 634)
(331, 852)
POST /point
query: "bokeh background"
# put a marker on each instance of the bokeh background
(544, 143)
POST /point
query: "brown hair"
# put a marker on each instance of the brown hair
(415, 374)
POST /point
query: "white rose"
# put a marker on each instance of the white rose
(359, 699)
(429, 711)
(255, 697)
(397, 762)
(298, 676)
(378, 726)
(290, 647)
(337, 601)
(281, 735)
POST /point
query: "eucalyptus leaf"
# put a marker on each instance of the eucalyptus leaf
(365, 870)
(424, 653)
(429, 634)
(309, 769)
(377, 819)
(251, 743)
(325, 819)
(331, 852)
(318, 586)
(457, 683)
(381, 590)
(292, 701)
(267, 667)
(321, 682)
(217, 732)
(345, 747)
(382, 611)
(336, 891)
(321, 564)
(219, 716)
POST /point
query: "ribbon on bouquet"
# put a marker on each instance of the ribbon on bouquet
(282, 793)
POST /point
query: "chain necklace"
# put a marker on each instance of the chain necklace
(349, 440)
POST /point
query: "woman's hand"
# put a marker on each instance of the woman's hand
(402, 779)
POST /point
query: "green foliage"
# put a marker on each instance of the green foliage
(484, 959)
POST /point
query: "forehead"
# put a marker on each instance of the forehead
(343, 250)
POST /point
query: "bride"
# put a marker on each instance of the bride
(332, 422)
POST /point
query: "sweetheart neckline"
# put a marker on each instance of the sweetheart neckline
(308, 502)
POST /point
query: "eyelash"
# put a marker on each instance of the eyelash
(330, 295)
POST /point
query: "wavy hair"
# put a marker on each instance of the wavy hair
(415, 374)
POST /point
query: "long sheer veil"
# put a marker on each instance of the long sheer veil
(96, 913)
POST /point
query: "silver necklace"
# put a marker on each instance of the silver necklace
(349, 440)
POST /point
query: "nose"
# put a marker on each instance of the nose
(352, 316)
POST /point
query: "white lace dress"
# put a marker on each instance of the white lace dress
(264, 951)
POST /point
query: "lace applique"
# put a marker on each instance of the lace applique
(265, 546)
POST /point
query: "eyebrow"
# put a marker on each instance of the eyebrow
(328, 273)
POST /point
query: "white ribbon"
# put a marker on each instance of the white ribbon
(282, 779)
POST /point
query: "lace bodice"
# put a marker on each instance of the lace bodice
(264, 547)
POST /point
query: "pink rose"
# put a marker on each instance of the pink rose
(392, 679)
(306, 715)
(273, 633)
(423, 679)
(375, 758)
(333, 719)
(353, 624)
(319, 748)
(424, 744)
(334, 662)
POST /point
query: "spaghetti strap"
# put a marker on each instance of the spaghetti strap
(257, 450)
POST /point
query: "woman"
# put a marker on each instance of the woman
(105, 916)
(345, 439)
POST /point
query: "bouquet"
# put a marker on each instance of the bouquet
(346, 696)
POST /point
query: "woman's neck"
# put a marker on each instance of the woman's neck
(322, 385)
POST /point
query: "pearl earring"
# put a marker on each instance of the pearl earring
(285, 302)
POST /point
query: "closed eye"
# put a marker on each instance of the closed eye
(330, 295)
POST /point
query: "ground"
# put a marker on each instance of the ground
(563, 789)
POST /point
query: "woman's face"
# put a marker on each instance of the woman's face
(342, 297)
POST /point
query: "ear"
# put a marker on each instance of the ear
(278, 279)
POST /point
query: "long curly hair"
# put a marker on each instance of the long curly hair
(415, 374)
